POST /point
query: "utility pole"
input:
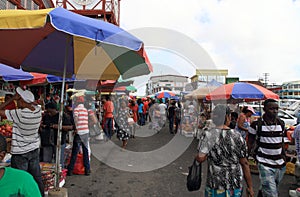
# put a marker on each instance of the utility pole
(266, 78)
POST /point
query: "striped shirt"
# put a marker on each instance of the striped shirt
(271, 144)
(81, 119)
(26, 123)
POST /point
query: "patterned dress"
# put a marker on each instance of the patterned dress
(122, 122)
(224, 148)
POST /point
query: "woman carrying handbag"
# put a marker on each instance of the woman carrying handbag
(226, 153)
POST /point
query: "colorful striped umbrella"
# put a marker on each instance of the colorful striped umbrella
(63, 43)
(241, 91)
(46, 40)
(164, 94)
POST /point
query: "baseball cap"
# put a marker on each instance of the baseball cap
(26, 95)
(249, 108)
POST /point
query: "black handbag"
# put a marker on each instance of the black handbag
(194, 177)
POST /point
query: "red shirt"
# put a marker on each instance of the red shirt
(134, 110)
(108, 108)
(145, 107)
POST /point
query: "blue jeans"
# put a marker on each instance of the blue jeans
(108, 127)
(75, 149)
(270, 179)
(141, 119)
(171, 124)
(29, 162)
(62, 154)
(47, 154)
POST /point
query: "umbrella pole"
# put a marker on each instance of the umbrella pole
(61, 110)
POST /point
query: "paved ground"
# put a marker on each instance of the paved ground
(166, 181)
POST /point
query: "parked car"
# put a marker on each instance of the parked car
(288, 118)
(294, 108)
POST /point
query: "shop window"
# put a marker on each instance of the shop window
(28, 4)
(2, 4)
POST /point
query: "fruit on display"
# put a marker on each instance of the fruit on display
(6, 128)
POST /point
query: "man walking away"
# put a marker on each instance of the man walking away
(108, 116)
(81, 137)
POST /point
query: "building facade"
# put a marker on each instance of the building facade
(175, 83)
(204, 76)
(290, 90)
(25, 4)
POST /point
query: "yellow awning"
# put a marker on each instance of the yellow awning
(27, 19)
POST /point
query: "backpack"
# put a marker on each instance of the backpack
(178, 113)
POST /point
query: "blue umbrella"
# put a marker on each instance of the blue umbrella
(11, 74)
(56, 79)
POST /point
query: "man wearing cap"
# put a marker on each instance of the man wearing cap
(25, 138)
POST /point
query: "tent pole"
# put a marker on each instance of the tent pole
(61, 110)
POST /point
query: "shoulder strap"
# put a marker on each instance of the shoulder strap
(259, 127)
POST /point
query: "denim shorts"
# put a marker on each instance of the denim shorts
(270, 179)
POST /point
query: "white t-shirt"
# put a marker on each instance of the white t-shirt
(26, 123)
(162, 108)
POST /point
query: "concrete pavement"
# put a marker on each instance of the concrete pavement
(169, 180)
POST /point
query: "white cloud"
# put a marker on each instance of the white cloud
(248, 37)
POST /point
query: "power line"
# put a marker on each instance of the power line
(266, 78)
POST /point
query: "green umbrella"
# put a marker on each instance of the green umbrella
(131, 88)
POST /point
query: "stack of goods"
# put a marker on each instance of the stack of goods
(6, 131)
(6, 128)
(48, 175)
(188, 126)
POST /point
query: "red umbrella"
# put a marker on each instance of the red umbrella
(241, 91)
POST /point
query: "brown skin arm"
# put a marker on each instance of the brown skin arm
(250, 142)
(247, 175)
(64, 127)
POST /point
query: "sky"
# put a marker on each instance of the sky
(247, 37)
